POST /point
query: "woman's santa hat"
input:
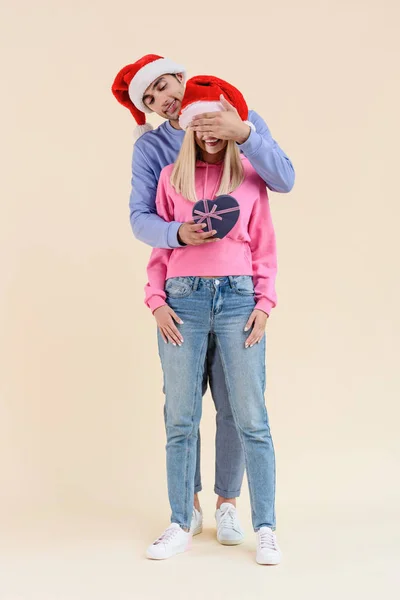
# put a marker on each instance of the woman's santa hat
(133, 80)
(203, 94)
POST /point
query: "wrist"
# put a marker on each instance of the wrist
(243, 134)
(180, 241)
(156, 302)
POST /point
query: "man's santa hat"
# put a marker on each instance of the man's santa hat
(203, 94)
(132, 81)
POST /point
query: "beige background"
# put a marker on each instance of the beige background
(81, 433)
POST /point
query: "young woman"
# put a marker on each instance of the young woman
(225, 290)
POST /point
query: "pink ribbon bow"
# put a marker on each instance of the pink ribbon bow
(211, 214)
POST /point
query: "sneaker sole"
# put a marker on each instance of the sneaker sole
(270, 563)
(198, 530)
(165, 557)
(230, 542)
(188, 547)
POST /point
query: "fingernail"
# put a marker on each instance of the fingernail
(251, 345)
(181, 322)
(246, 328)
(173, 343)
(246, 345)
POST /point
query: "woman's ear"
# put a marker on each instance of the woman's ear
(179, 77)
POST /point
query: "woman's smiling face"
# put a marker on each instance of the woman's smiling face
(210, 145)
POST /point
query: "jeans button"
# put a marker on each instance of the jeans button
(217, 282)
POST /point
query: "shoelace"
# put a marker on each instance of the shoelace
(267, 540)
(166, 536)
(228, 519)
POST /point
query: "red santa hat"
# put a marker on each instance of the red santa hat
(132, 81)
(202, 95)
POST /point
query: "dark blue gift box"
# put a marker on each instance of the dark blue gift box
(220, 214)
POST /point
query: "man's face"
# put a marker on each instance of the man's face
(209, 144)
(164, 96)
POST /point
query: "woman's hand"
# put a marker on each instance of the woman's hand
(258, 320)
(165, 317)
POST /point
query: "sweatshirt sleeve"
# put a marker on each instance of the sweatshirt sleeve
(157, 267)
(147, 225)
(266, 156)
(263, 252)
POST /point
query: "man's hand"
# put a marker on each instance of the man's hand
(258, 320)
(225, 125)
(165, 317)
(188, 234)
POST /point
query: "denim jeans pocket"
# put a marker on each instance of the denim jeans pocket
(243, 285)
(178, 287)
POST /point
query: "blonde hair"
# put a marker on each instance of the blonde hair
(183, 174)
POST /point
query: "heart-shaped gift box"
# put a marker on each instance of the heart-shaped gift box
(220, 214)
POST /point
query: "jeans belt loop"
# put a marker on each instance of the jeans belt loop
(196, 283)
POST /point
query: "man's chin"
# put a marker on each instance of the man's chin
(172, 116)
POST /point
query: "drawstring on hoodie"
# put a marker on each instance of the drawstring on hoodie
(207, 214)
(216, 187)
(213, 213)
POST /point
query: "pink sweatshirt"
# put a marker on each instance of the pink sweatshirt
(248, 249)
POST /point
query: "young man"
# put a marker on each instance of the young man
(157, 84)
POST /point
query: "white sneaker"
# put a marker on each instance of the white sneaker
(196, 525)
(173, 541)
(268, 552)
(229, 531)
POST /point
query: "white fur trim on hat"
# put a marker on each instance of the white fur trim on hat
(198, 108)
(146, 75)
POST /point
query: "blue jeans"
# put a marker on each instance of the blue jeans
(219, 308)
(229, 455)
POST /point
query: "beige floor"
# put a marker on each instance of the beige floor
(56, 557)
